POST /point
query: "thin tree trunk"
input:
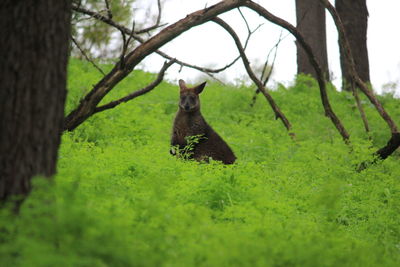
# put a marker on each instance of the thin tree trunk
(34, 43)
(310, 17)
(354, 16)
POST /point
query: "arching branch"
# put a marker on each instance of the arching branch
(137, 93)
(137, 37)
(246, 63)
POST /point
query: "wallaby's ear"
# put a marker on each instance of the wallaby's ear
(182, 84)
(199, 88)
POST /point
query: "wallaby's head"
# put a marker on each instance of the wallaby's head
(190, 101)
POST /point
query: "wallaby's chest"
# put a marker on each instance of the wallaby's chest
(186, 125)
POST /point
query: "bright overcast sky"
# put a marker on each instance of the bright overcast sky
(210, 45)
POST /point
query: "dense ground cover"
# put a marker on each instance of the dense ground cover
(120, 199)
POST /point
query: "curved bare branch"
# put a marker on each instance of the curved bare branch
(271, 101)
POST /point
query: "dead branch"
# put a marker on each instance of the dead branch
(394, 141)
(137, 93)
(271, 101)
(86, 56)
(89, 103)
(320, 76)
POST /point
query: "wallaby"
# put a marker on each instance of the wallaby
(189, 122)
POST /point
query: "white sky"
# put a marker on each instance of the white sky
(210, 45)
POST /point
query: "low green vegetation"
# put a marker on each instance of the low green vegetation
(120, 198)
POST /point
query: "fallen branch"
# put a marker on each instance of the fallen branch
(271, 101)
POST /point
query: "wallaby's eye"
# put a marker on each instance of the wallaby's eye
(192, 99)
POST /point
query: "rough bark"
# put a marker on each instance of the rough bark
(354, 16)
(310, 18)
(34, 44)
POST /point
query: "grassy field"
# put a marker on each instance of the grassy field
(120, 199)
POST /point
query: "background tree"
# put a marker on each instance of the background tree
(34, 55)
(354, 15)
(310, 19)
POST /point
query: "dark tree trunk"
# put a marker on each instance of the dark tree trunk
(354, 15)
(34, 43)
(310, 17)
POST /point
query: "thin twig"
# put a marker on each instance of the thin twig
(109, 14)
(125, 44)
(157, 23)
(268, 76)
(86, 56)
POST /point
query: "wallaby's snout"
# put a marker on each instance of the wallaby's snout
(189, 101)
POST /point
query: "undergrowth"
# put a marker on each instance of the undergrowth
(121, 199)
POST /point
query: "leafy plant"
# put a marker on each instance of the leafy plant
(186, 152)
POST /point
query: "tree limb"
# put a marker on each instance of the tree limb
(271, 101)
(394, 141)
(350, 61)
(320, 76)
(137, 93)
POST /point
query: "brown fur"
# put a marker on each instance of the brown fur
(190, 122)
